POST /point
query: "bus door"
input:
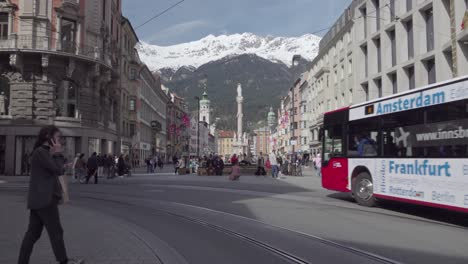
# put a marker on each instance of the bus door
(334, 164)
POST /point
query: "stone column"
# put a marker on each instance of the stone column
(10, 22)
(58, 43)
(78, 39)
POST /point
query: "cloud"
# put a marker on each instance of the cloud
(177, 30)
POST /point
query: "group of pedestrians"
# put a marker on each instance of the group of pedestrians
(109, 166)
(154, 162)
(270, 164)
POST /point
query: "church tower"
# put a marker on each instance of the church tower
(205, 108)
(271, 118)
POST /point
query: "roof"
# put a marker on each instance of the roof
(125, 20)
(225, 134)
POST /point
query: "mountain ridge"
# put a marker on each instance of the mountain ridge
(212, 48)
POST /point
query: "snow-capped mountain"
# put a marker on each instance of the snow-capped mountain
(210, 48)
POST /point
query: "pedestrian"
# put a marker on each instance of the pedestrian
(74, 174)
(274, 164)
(151, 164)
(235, 172)
(267, 166)
(209, 166)
(219, 166)
(128, 166)
(177, 165)
(110, 164)
(234, 159)
(148, 165)
(260, 165)
(92, 168)
(318, 164)
(160, 163)
(100, 161)
(121, 166)
(44, 196)
(80, 168)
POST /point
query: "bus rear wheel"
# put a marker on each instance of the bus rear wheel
(363, 190)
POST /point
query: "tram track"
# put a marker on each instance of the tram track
(290, 257)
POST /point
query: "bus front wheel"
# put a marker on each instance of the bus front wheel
(363, 190)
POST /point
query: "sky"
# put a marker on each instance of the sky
(195, 19)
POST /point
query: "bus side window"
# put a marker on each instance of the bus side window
(363, 138)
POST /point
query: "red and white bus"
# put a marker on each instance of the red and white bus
(409, 147)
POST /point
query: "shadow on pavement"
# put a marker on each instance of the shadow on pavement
(403, 254)
(430, 213)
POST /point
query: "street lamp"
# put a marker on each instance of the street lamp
(198, 127)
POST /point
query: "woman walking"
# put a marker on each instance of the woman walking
(235, 173)
(44, 196)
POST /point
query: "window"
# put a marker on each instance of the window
(393, 81)
(392, 10)
(3, 25)
(132, 105)
(342, 72)
(365, 89)
(409, 30)
(411, 80)
(363, 138)
(431, 71)
(379, 55)
(432, 134)
(364, 20)
(104, 10)
(409, 5)
(350, 66)
(66, 100)
(391, 35)
(132, 74)
(67, 35)
(378, 86)
(428, 14)
(377, 14)
(366, 66)
(132, 130)
(333, 137)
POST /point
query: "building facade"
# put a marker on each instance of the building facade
(225, 141)
(57, 66)
(178, 127)
(261, 140)
(129, 67)
(151, 126)
(408, 44)
(331, 79)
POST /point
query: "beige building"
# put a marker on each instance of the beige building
(225, 141)
(129, 68)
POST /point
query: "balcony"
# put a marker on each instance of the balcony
(44, 43)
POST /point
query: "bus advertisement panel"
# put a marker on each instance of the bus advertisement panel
(433, 181)
(444, 94)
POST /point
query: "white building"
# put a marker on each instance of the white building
(402, 45)
(331, 78)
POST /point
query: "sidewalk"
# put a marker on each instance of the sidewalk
(97, 238)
